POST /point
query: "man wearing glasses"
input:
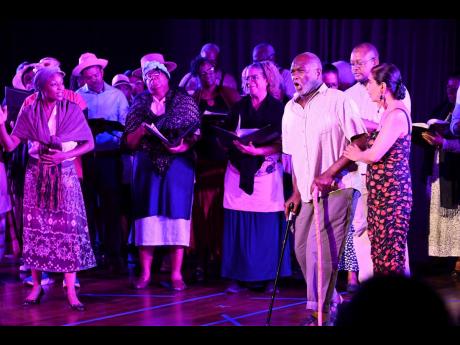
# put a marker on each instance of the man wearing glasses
(363, 58)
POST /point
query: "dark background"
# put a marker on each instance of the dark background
(424, 49)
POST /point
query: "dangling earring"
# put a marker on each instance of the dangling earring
(381, 103)
(383, 100)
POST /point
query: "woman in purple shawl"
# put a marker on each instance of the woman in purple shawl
(56, 235)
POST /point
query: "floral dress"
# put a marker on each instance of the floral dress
(389, 206)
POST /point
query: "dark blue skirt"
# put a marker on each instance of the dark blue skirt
(170, 195)
(252, 245)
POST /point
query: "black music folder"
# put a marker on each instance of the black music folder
(260, 137)
(153, 130)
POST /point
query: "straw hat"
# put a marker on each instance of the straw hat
(87, 60)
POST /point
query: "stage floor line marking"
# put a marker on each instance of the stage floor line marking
(254, 313)
(143, 309)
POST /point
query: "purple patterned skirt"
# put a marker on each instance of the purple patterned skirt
(56, 239)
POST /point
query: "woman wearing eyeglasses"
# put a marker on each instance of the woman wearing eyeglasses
(253, 189)
(208, 213)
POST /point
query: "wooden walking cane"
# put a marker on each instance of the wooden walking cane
(320, 255)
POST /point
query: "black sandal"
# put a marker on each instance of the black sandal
(28, 302)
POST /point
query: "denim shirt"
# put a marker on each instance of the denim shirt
(110, 104)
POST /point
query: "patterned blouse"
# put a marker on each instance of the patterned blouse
(181, 113)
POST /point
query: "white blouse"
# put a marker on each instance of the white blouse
(66, 146)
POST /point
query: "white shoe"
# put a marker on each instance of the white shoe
(24, 268)
(235, 287)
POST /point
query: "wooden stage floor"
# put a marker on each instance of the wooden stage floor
(111, 302)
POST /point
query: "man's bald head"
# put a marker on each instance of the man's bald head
(210, 51)
(306, 72)
(367, 48)
(309, 59)
(263, 52)
(363, 58)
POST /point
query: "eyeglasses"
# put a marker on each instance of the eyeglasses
(360, 63)
(253, 77)
(153, 74)
(208, 72)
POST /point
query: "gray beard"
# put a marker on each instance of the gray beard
(312, 89)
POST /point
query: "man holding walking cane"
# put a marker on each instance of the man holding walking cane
(318, 123)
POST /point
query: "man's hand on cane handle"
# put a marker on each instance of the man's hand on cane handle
(294, 199)
(325, 184)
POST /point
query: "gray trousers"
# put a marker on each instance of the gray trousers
(335, 214)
